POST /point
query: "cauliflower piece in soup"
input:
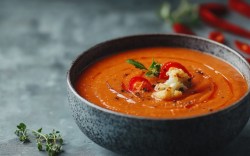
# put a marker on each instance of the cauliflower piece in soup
(172, 88)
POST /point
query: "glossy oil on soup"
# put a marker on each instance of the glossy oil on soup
(215, 84)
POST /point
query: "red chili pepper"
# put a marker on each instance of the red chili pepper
(217, 36)
(212, 19)
(240, 6)
(166, 66)
(244, 47)
(216, 8)
(183, 29)
(139, 83)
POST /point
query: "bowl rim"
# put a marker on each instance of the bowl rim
(95, 106)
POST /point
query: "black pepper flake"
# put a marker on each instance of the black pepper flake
(145, 89)
(174, 104)
(193, 92)
(126, 74)
(122, 90)
(181, 89)
(199, 72)
(137, 94)
(117, 98)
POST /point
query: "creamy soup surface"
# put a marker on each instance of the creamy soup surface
(215, 84)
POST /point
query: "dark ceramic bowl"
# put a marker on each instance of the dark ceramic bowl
(133, 135)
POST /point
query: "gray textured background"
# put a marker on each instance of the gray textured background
(39, 40)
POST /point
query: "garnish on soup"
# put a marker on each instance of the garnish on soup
(139, 84)
(153, 70)
(177, 77)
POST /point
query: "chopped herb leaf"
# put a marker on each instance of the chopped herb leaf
(152, 71)
(155, 68)
(136, 64)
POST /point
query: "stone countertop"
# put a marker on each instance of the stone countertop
(38, 41)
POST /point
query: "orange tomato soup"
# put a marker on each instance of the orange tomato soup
(215, 84)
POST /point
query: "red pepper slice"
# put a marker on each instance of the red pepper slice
(138, 83)
(124, 88)
(183, 29)
(217, 36)
(212, 19)
(244, 47)
(166, 66)
(240, 6)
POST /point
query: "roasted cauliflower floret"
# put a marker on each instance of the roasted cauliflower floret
(172, 88)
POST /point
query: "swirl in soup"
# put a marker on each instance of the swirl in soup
(161, 82)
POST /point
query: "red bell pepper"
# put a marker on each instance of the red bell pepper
(166, 66)
(217, 36)
(240, 6)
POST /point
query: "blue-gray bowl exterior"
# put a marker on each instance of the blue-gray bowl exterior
(131, 135)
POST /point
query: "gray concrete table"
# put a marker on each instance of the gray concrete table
(39, 40)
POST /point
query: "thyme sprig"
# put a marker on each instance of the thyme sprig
(52, 142)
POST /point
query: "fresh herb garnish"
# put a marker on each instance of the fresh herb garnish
(136, 64)
(52, 142)
(152, 71)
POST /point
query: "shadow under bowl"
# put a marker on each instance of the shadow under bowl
(133, 135)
